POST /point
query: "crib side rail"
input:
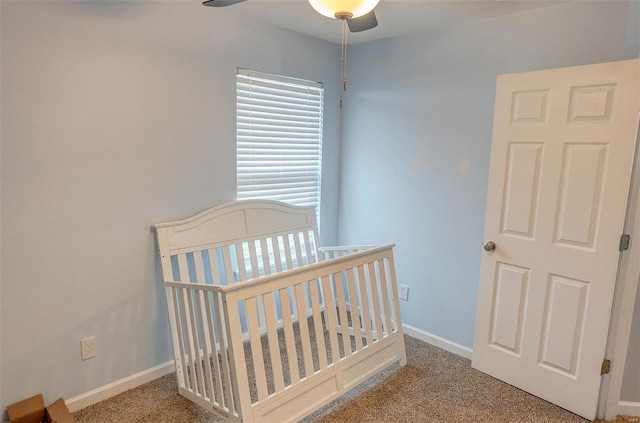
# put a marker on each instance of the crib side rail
(338, 251)
(319, 316)
(353, 308)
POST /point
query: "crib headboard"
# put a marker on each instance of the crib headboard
(236, 221)
(231, 225)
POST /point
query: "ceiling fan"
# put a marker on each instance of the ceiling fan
(357, 15)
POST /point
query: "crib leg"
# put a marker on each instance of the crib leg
(242, 397)
(403, 358)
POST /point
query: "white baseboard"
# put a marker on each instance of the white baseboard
(105, 392)
(437, 341)
(627, 408)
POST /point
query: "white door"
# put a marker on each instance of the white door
(561, 160)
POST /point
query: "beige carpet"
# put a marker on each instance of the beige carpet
(434, 386)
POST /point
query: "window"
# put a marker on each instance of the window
(279, 138)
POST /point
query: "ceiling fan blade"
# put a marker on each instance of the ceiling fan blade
(363, 23)
(221, 3)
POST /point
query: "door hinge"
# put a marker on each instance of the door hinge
(625, 240)
(606, 367)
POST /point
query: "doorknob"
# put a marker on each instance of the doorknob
(490, 246)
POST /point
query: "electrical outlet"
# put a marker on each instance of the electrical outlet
(88, 347)
(404, 292)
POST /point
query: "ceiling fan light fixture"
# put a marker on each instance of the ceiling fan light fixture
(336, 8)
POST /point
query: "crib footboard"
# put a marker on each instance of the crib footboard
(279, 347)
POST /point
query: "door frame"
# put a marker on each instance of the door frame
(609, 405)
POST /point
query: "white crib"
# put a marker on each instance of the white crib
(266, 325)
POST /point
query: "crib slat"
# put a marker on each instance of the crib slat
(342, 307)
(313, 257)
(205, 342)
(315, 245)
(255, 273)
(385, 297)
(242, 265)
(255, 270)
(287, 251)
(182, 373)
(221, 324)
(317, 324)
(355, 314)
(275, 243)
(289, 338)
(256, 348)
(392, 294)
(188, 338)
(316, 240)
(183, 269)
(307, 247)
(365, 310)
(213, 263)
(330, 318)
(274, 344)
(264, 250)
(300, 263)
(375, 299)
(183, 329)
(228, 268)
(195, 345)
(298, 249)
(199, 266)
(304, 330)
(217, 376)
(240, 386)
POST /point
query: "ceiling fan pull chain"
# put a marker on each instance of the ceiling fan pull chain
(345, 34)
(343, 63)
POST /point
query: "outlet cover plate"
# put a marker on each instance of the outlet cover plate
(88, 347)
(404, 292)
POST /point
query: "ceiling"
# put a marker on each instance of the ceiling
(395, 17)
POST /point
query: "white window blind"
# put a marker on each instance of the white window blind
(279, 138)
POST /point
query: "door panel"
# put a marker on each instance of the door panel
(561, 160)
(509, 302)
(583, 170)
(521, 193)
(564, 316)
